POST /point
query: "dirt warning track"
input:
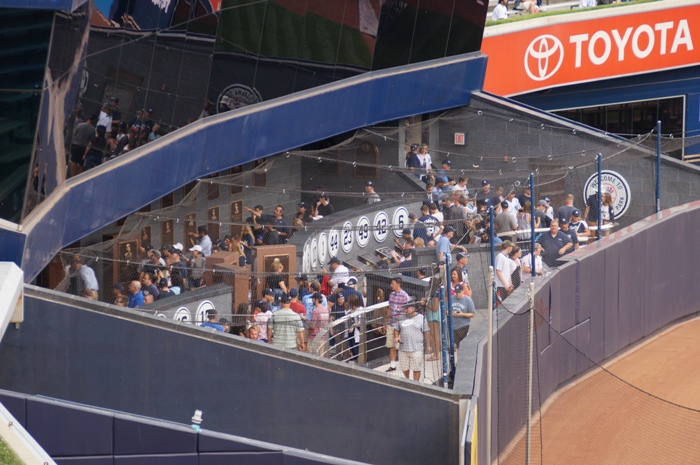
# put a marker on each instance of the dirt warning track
(645, 409)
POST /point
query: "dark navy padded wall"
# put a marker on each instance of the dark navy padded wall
(61, 430)
(137, 436)
(176, 459)
(16, 405)
(243, 389)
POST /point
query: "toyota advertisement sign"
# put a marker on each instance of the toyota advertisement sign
(626, 41)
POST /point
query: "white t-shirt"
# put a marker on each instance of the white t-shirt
(525, 261)
(499, 12)
(506, 266)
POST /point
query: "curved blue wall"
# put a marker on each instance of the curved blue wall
(94, 199)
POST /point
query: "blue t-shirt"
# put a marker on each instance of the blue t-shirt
(444, 246)
(135, 300)
(216, 326)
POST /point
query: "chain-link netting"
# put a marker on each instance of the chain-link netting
(283, 201)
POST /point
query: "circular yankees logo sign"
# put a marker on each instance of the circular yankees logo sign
(543, 57)
(614, 184)
(237, 96)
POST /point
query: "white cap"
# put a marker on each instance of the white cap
(197, 248)
(178, 246)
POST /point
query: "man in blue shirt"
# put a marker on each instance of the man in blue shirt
(444, 246)
(211, 321)
(135, 295)
(555, 244)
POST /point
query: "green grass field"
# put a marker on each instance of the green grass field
(7, 457)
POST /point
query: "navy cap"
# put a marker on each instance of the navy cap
(267, 291)
(446, 162)
(576, 213)
(334, 260)
(485, 182)
(504, 204)
(459, 288)
(449, 229)
(293, 292)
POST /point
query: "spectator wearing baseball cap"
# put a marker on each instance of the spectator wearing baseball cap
(444, 245)
(304, 213)
(505, 223)
(549, 210)
(487, 197)
(413, 160)
(339, 273)
(351, 289)
(443, 173)
(463, 311)
(302, 285)
(372, 197)
(164, 288)
(578, 224)
(541, 218)
(197, 264)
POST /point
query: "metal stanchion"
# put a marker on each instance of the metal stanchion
(489, 366)
(531, 355)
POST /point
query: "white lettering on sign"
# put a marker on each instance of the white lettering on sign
(641, 41)
(162, 4)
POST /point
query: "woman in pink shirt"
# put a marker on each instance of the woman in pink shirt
(318, 326)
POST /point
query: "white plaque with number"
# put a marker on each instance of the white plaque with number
(363, 231)
(381, 226)
(322, 248)
(333, 242)
(347, 237)
(314, 253)
(399, 221)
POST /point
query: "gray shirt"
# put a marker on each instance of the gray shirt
(463, 305)
(87, 279)
(411, 329)
(82, 134)
(504, 223)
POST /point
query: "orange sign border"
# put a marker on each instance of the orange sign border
(589, 49)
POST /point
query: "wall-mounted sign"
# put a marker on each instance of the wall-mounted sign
(347, 237)
(363, 231)
(322, 248)
(313, 253)
(613, 43)
(381, 227)
(614, 184)
(399, 220)
(333, 242)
